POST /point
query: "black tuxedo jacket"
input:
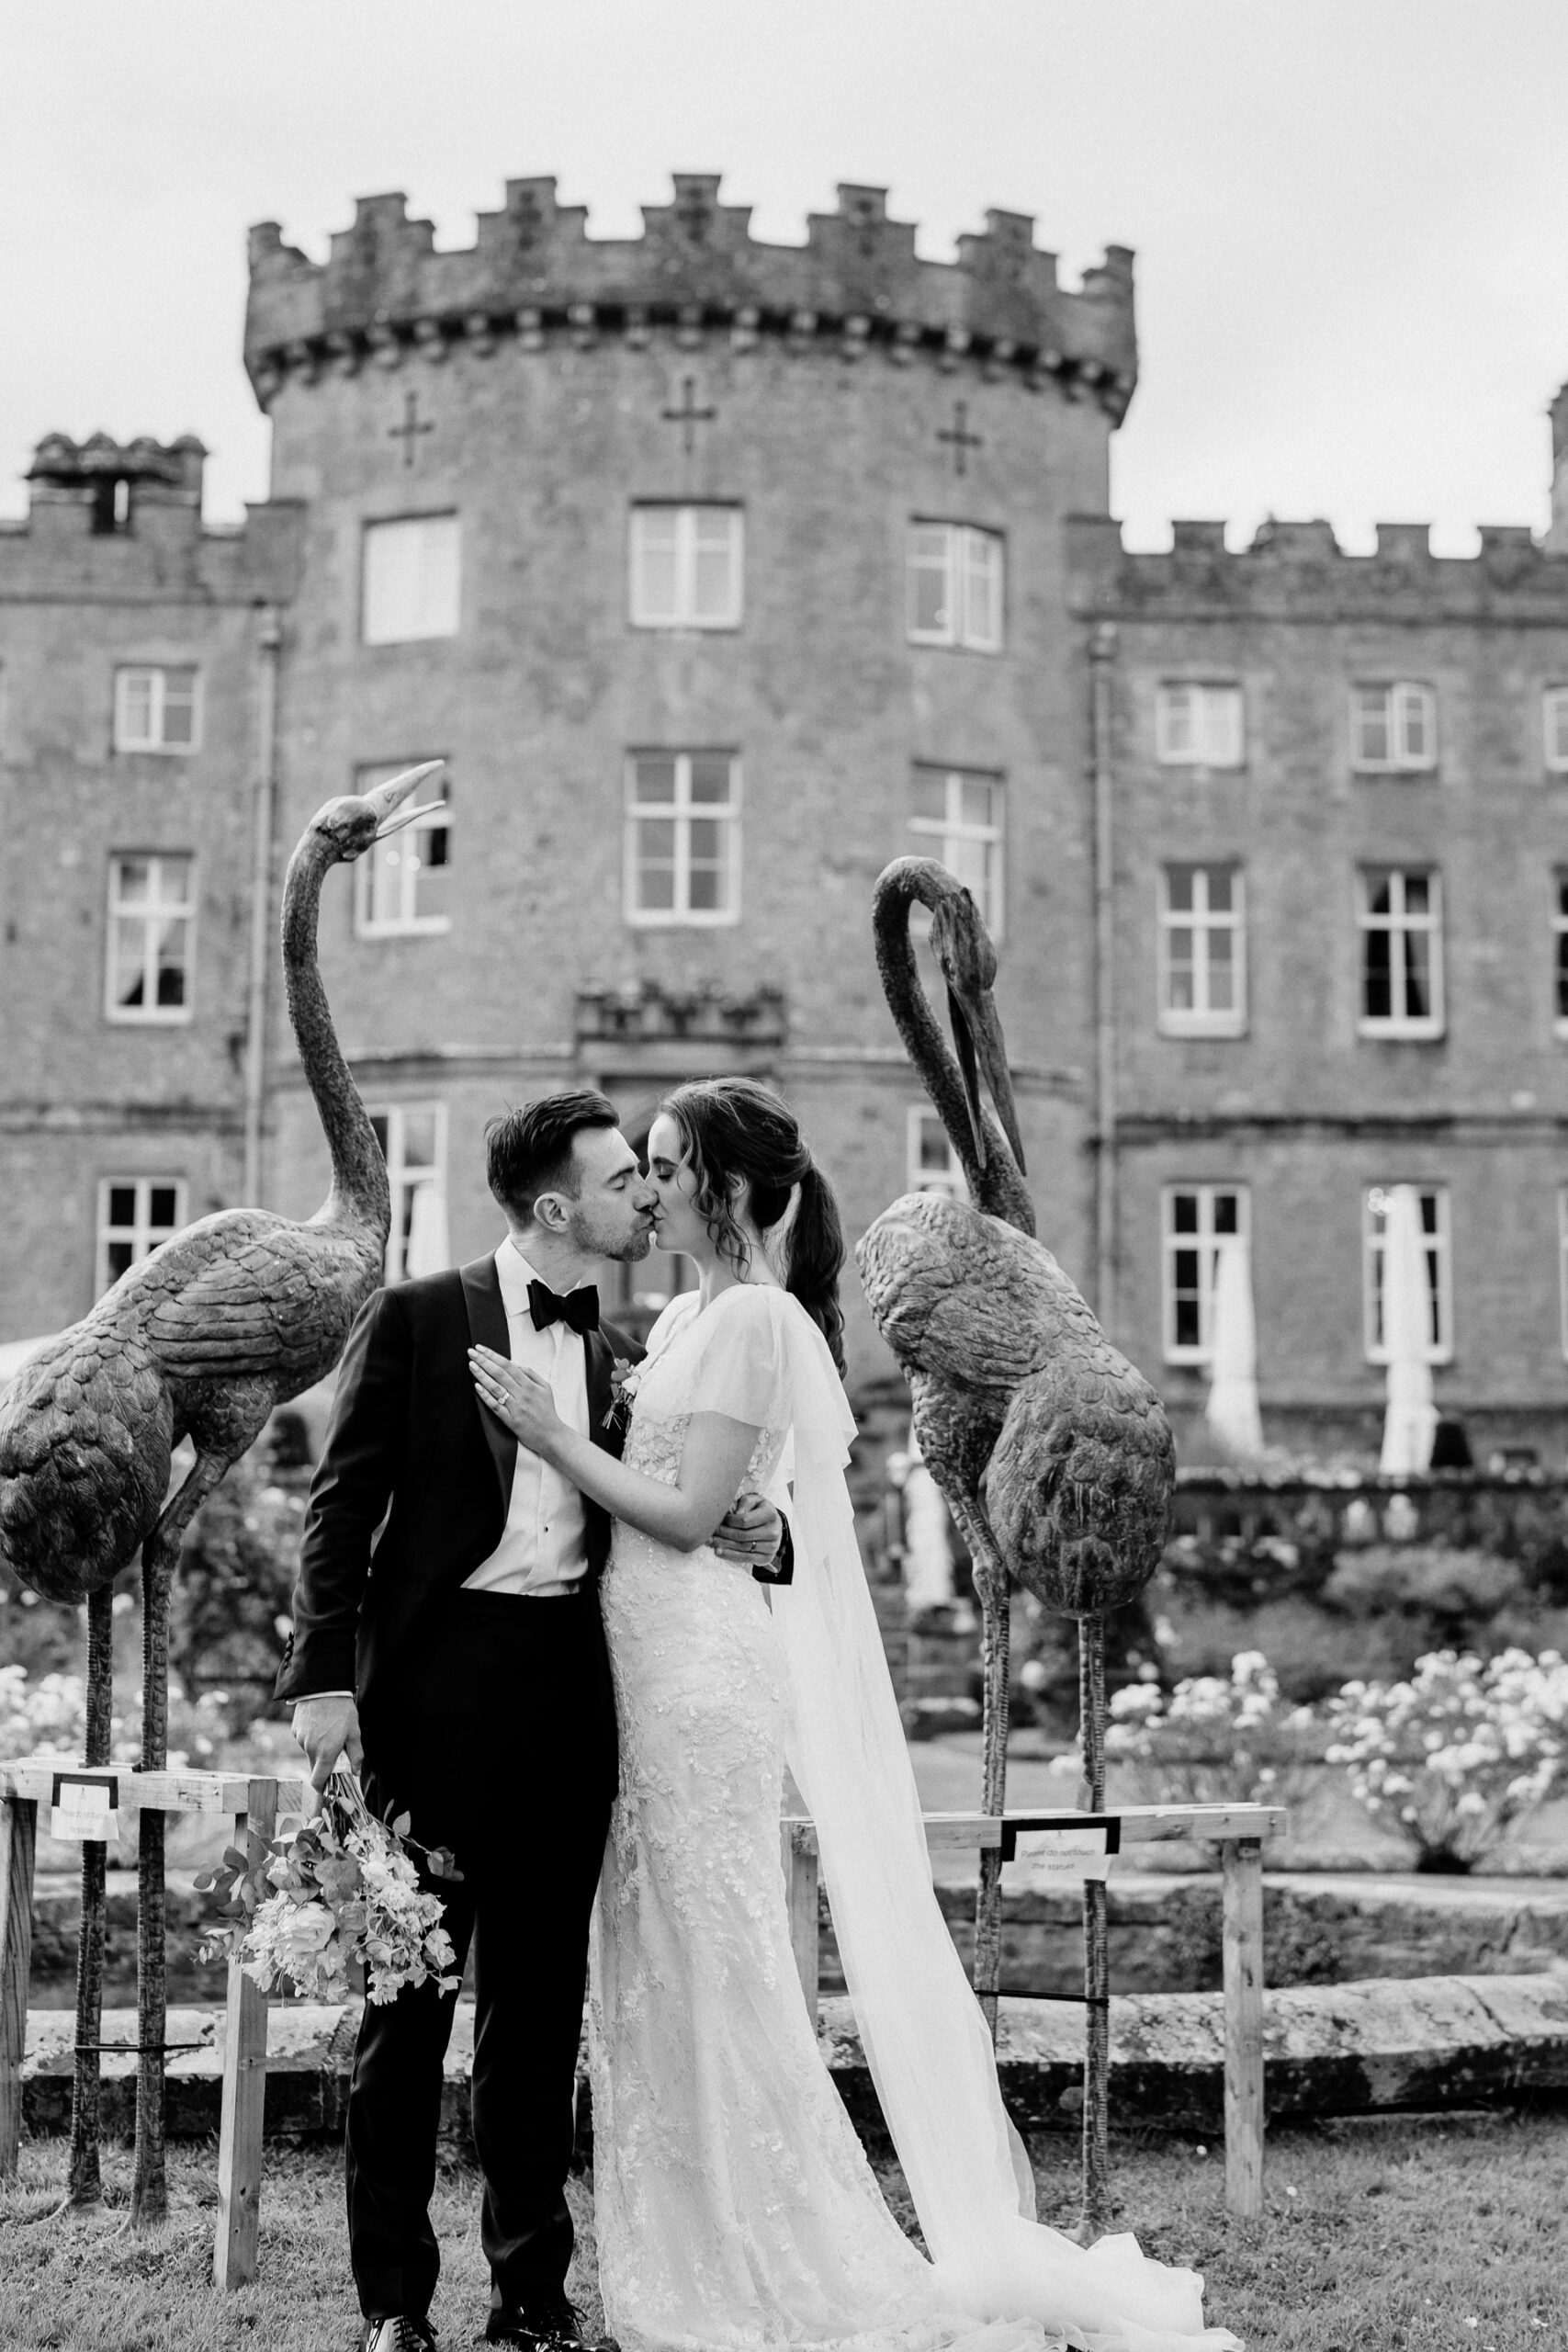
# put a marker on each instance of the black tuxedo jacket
(410, 1444)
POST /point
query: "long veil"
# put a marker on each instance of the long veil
(925, 2040)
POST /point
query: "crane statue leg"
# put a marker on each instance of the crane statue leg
(991, 1584)
(160, 1557)
(1096, 2213)
(84, 2180)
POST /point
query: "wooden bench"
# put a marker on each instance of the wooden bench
(250, 1804)
(1238, 1830)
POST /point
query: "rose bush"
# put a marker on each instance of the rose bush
(1215, 1739)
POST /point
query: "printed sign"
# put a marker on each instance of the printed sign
(86, 1806)
(1063, 1851)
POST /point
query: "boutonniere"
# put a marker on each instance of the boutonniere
(625, 1376)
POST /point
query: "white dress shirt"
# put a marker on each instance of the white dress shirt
(543, 1546)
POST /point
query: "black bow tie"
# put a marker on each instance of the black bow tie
(579, 1308)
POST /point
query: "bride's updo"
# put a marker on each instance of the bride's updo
(735, 1132)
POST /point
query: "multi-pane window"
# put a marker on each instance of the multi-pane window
(1202, 952)
(958, 817)
(152, 917)
(687, 566)
(931, 1163)
(682, 853)
(1394, 729)
(1197, 724)
(135, 1213)
(1199, 1222)
(401, 884)
(155, 709)
(1438, 1259)
(1400, 915)
(412, 1137)
(954, 587)
(1555, 726)
(412, 583)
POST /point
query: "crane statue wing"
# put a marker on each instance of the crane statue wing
(225, 1307)
(934, 1270)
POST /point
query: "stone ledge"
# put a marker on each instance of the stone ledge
(1430, 2041)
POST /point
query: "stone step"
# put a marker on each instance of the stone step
(1428, 2043)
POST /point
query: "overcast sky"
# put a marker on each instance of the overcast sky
(1350, 216)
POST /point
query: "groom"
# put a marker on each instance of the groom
(448, 1638)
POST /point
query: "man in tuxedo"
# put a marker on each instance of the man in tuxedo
(447, 1638)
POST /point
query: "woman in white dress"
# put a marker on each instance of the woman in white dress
(735, 2208)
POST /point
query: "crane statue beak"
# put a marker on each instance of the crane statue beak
(982, 1054)
(386, 797)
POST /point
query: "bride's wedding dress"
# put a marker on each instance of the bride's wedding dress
(736, 2210)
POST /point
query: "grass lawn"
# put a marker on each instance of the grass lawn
(1380, 2236)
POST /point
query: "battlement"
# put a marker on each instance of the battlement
(385, 293)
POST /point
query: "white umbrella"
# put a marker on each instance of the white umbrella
(928, 1543)
(1411, 1417)
(428, 1251)
(1232, 1411)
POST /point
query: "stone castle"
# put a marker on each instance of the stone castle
(719, 573)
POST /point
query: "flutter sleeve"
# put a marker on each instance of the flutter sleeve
(737, 1362)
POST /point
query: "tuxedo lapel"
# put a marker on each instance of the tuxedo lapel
(487, 1329)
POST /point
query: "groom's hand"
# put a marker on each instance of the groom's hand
(750, 1531)
(327, 1728)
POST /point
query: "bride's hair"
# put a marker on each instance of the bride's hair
(735, 1132)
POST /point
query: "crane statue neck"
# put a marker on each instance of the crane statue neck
(998, 1188)
(360, 1194)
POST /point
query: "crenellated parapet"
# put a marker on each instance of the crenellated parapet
(1298, 571)
(385, 295)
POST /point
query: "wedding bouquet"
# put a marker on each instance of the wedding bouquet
(332, 1895)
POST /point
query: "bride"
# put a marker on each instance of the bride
(736, 2210)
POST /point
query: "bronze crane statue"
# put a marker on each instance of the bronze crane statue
(1053, 1452)
(202, 1339)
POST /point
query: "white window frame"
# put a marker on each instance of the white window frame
(403, 1178)
(1201, 1019)
(1200, 723)
(939, 837)
(1207, 1245)
(964, 625)
(398, 858)
(681, 812)
(1554, 729)
(157, 675)
(149, 912)
(1404, 700)
(922, 1123)
(142, 1235)
(426, 617)
(1398, 924)
(1439, 1271)
(689, 521)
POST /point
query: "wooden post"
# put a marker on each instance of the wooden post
(18, 1843)
(801, 1880)
(1243, 1959)
(244, 2089)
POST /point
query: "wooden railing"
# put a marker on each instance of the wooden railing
(1238, 1830)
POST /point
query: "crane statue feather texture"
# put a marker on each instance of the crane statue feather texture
(1053, 1452)
(229, 1318)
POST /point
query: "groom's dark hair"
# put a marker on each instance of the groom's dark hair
(529, 1151)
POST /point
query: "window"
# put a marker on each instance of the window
(135, 1213)
(1198, 725)
(412, 579)
(958, 818)
(687, 567)
(1393, 729)
(1402, 953)
(152, 917)
(1554, 720)
(682, 837)
(954, 587)
(1560, 955)
(1434, 1200)
(412, 1137)
(400, 884)
(931, 1163)
(1197, 1221)
(155, 710)
(1202, 952)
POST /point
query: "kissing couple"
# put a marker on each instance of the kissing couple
(574, 1619)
